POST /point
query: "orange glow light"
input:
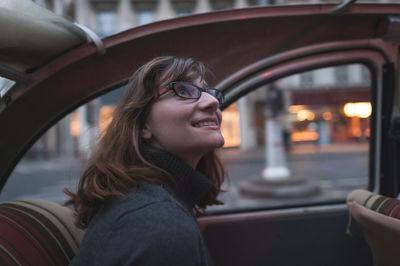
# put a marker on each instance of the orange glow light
(327, 115)
(295, 108)
(360, 109)
(105, 117)
(305, 115)
(304, 136)
(230, 127)
(367, 132)
(75, 125)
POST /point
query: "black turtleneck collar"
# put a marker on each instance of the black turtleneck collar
(191, 184)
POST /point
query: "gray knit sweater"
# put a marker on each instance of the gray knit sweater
(154, 226)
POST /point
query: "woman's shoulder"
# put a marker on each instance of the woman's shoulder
(149, 200)
(155, 202)
(149, 223)
(151, 209)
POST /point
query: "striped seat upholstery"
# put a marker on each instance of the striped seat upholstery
(37, 232)
(379, 218)
(384, 205)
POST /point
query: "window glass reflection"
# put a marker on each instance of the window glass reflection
(302, 139)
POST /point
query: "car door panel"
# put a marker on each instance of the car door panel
(286, 237)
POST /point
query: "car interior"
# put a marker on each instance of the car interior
(48, 74)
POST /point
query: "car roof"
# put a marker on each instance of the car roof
(32, 36)
(53, 80)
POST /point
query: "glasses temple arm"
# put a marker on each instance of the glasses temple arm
(161, 92)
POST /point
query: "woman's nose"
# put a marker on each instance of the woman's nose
(208, 101)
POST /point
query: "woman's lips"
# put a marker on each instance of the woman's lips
(206, 124)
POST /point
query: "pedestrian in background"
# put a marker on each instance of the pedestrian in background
(154, 170)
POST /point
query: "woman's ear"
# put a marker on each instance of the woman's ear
(146, 133)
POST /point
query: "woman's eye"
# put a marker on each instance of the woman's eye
(182, 92)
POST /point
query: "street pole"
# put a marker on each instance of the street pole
(276, 180)
(275, 158)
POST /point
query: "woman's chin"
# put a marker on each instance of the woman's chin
(222, 142)
(219, 142)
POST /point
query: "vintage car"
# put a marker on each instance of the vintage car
(50, 66)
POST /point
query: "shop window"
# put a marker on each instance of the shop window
(230, 126)
(307, 79)
(342, 75)
(183, 12)
(106, 23)
(145, 17)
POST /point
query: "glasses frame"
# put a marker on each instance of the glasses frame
(171, 86)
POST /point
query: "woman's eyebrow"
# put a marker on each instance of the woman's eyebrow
(205, 85)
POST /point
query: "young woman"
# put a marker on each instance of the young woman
(155, 168)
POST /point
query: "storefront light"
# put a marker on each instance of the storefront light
(296, 108)
(230, 127)
(305, 115)
(105, 117)
(304, 136)
(327, 115)
(75, 125)
(360, 109)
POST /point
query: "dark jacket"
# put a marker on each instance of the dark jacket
(154, 226)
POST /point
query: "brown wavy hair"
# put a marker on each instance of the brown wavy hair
(117, 164)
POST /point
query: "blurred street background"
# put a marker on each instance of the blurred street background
(45, 179)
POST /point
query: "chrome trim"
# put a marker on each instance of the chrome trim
(378, 125)
(271, 214)
(342, 6)
(100, 47)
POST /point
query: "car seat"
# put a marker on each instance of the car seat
(379, 218)
(37, 232)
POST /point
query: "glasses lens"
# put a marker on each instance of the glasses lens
(217, 94)
(190, 91)
(186, 90)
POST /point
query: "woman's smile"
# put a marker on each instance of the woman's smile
(211, 123)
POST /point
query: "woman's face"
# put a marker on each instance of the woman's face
(187, 128)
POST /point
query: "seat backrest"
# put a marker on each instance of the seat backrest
(379, 218)
(37, 232)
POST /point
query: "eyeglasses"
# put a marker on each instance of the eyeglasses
(190, 91)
